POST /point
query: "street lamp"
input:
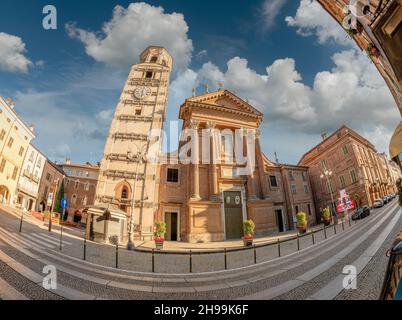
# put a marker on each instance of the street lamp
(139, 158)
(326, 175)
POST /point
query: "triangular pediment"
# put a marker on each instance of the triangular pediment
(226, 100)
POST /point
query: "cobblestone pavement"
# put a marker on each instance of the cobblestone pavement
(23, 256)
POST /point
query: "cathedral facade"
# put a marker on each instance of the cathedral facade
(218, 178)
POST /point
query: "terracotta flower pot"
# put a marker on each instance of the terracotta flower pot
(302, 229)
(159, 243)
(248, 241)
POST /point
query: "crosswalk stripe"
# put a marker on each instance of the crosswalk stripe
(37, 241)
(21, 243)
(42, 235)
(52, 242)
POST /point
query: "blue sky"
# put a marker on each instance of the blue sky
(286, 56)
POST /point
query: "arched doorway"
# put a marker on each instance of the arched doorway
(4, 194)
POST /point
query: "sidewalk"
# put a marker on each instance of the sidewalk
(184, 246)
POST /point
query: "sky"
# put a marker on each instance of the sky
(287, 57)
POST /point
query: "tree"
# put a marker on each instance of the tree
(60, 196)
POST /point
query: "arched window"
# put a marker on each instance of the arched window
(124, 198)
(154, 59)
(74, 199)
(84, 201)
(124, 193)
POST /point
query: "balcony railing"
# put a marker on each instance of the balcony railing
(381, 8)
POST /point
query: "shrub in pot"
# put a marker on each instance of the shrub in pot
(248, 227)
(326, 216)
(301, 218)
(159, 234)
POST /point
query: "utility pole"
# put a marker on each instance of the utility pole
(53, 204)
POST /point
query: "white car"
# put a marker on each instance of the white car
(378, 203)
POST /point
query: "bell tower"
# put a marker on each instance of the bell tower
(129, 172)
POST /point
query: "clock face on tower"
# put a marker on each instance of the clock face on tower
(142, 92)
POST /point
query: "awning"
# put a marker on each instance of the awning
(395, 147)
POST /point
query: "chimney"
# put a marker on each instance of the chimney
(324, 136)
(68, 161)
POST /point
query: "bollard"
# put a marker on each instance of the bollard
(343, 225)
(153, 260)
(61, 237)
(255, 254)
(191, 261)
(325, 232)
(226, 259)
(22, 219)
(334, 228)
(279, 247)
(312, 235)
(85, 249)
(117, 256)
(298, 242)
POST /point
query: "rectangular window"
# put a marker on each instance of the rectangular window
(2, 134)
(173, 175)
(138, 112)
(353, 175)
(10, 142)
(2, 165)
(77, 185)
(149, 75)
(306, 189)
(21, 151)
(309, 209)
(274, 182)
(342, 181)
(304, 177)
(291, 177)
(49, 177)
(293, 188)
(345, 150)
(15, 172)
(297, 209)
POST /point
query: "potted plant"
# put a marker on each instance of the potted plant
(326, 216)
(248, 227)
(159, 234)
(301, 218)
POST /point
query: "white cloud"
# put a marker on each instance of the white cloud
(352, 93)
(131, 30)
(270, 10)
(312, 19)
(12, 50)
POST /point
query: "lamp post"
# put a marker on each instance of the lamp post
(326, 175)
(53, 204)
(139, 158)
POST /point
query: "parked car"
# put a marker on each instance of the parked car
(385, 200)
(361, 213)
(378, 203)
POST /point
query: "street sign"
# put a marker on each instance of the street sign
(344, 202)
(64, 203)
(50, 199)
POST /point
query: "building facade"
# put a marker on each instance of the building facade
(376, 26)
(208, 199)
(80, 185)
(15, 137)
(29, 179)
(218, 178)
(347, 161)
(52, 175)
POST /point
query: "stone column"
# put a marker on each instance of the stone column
(250, 176)
(261, 166)
(195, 159)
(213, 175)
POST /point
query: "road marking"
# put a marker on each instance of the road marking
(7, 292)
(332, 289)
(52, 238)
(24, 235)
(53, 241)
(311, 274)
